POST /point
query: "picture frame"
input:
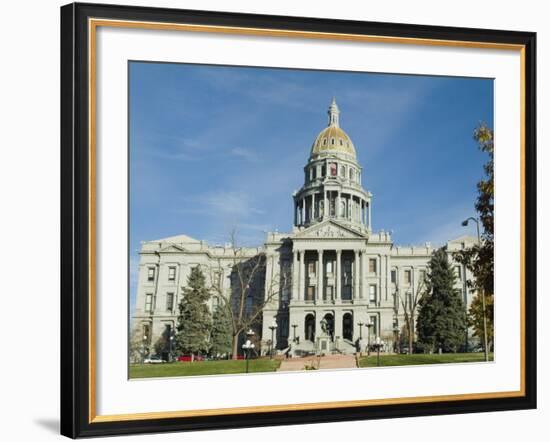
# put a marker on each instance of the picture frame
(79, 201)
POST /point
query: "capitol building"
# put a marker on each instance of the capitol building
(323, 281)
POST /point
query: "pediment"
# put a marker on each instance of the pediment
(172, 248)
(330, 229)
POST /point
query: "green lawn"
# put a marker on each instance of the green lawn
(201, 368)
(419, 359)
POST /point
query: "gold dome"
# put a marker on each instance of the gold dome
(333, 139)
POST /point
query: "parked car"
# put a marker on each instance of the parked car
(189, 358)
(154, 360)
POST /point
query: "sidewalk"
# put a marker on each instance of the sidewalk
(322, 363)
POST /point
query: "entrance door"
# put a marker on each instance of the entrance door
(309, 327)
(347, 326)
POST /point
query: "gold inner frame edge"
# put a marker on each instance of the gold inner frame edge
(93, 24)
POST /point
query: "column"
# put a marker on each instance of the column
(295, 214)
(313, 206)
(295, 276)
(356, 267)
(370, 219)
(338, 277)
(337, 211)
(320, 271)
(364, 284)
(325, 205)
(303, 211)
(302, 274)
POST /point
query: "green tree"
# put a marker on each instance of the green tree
(194, 319)
(480, 258)
(441, 321)
(221, 335)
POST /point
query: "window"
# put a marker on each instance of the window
(329, 267)
(329, 291)
(333, 169)
(151, 274)
(332, 141)
(248, 304)
(372, 293)
(408, 277)
(351, 174)
(171, 273)
(347, 272)
(149, 303)
(169, 302)
(394, 276)
(343, 171)
(311, 269)
(341, 142)
(374, 322)
(310, 294)
(372, 265)
(458, 272)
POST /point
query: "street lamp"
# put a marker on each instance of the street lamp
(272, 327)
(247, 347)
(294, 332)
(378, 344)
(368, 324)
(360, 324)
(172, 338)
(464, 224)
(143, 348)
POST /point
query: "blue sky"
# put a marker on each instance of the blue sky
(215, 148)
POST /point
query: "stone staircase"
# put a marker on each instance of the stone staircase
(308, 348)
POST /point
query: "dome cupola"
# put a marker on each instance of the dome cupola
(332, 139)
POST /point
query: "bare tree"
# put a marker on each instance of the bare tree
(253, 286)
(409, 300)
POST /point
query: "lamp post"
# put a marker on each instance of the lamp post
(378, 344)
(360, 324)
(272, 327)
(482, 291)
(143, 349)
(172, 338)
(368, 325)
(247, 347)
(294, 332)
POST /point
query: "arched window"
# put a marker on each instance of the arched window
(332, 141)
(351, 174)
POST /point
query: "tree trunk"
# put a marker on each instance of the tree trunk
(411, 337)
(235, 346)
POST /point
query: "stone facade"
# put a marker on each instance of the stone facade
(322, 280)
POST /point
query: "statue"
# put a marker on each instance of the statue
(324, 326)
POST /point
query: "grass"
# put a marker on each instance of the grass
(201, 368)
(420, 359)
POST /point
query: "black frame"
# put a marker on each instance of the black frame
(75, 220)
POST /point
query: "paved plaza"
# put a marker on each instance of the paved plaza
(319, 363)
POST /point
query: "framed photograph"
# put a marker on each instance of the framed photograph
(274, 220)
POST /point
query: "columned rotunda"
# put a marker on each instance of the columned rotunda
(333, 272)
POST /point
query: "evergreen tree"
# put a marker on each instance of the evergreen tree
(194, 319)
(221, 335)
(441, 321)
